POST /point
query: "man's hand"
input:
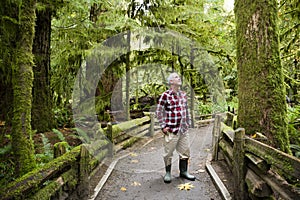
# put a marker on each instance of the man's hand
(165, 130)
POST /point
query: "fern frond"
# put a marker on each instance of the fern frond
(47, 146)
(83, 136)
(59, 134)
(5, 149)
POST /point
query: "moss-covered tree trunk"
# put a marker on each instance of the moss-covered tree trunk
(7, 35)
(42, 114)
(261, 90)
(22, 80)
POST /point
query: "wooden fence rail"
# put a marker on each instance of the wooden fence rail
(259, 171)
(68, 174)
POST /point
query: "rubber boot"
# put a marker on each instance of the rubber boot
(167, 177)
(183, 166)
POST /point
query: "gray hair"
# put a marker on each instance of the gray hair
(171, 76)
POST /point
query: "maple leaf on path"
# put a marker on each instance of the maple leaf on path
(133, 155)
(185, 186)
(136, 183)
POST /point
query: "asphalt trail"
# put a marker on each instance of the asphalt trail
(139, 175)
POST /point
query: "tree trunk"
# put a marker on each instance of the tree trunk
(42, 115)
(22, 80)
(111, 83)
(261, 90)
(6, 97)
(192, 85)
(127, 98)
(7, 42)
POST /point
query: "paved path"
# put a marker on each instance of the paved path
(139, 173)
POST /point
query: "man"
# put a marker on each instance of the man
(172, 115)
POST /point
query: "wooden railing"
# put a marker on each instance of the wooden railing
(259, 171)
(68, 174)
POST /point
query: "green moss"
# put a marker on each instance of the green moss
(52, 187)
(22, 78)
(130, 142)
(225, 128)
(261, 89)
(118, 128)
(60, 148)
(34, 178)
(61, 145)
(279, 162)
(47, 192)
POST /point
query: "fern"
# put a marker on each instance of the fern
(83, 136)
(46, 143)
(4, 150)
(296, 150)
(48, 152)
(59, 135)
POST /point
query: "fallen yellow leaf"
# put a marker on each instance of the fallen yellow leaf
(186, 186)
(134, 161)
(133, 155)
(200, 171)
(123, 189)
(136, 183)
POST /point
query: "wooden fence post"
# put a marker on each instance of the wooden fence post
(110, 137)
(229, 119)
(83, 188)
(59, 149)
(151, 131)
(239, 166)
(216, 135)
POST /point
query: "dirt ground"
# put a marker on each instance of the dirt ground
(139, 171)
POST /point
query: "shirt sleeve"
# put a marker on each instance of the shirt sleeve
(160, 110)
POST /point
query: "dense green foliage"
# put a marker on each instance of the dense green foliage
(289, 14)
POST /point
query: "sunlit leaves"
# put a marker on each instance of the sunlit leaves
(185, 186)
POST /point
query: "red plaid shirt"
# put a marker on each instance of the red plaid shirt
(172, 111)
